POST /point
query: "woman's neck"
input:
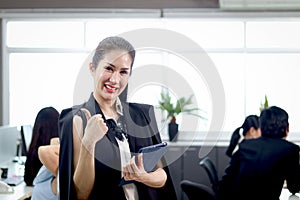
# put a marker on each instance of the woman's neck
(108, 107)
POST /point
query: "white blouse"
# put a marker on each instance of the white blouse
(130, 189)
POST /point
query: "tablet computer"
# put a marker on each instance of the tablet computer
(151, 155)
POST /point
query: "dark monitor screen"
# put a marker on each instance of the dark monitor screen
(26, 134)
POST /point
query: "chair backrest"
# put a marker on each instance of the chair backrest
(196, 191)
(210, 168)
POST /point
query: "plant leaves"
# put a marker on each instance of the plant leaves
(165, 104)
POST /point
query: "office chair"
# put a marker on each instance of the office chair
(210, 168)
(196, 191)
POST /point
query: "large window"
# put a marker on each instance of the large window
(253, 56)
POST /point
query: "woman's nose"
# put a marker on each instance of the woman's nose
(114, 78)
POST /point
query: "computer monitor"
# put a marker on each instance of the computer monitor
(8, 141)
(26, 134)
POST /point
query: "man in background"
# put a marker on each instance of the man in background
(260, 166)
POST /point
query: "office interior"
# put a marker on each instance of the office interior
(249, 50)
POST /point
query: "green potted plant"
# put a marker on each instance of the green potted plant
(265, 104)
(174, 109)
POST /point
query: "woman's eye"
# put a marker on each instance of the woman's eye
(108, 68)
(124, 72)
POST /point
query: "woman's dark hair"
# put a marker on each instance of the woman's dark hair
(45, 127)
(274, 122)
(114, 43)
(250, 121)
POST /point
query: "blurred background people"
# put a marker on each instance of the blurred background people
(260, 166)
(250, 129)
(45, 127)
(45, 183)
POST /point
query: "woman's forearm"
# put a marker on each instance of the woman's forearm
(83, 162)
(49, 156)
(155, 179)
(84, 175)
(84, 147)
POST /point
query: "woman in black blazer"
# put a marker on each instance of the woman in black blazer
(250, 130)
(100, 137)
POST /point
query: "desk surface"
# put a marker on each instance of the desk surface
(21, 191)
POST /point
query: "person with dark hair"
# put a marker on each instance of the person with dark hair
(250, 130)
(260, 166)
(45, 127)
(99, 139)
(274, 123)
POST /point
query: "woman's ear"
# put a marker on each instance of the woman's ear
(91, 67)
(258, 132)
(253, 133)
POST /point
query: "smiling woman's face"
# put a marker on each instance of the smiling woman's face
(111, 75)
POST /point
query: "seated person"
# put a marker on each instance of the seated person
(260, 166)
(45, 127)
(45, 183)
(250, 129)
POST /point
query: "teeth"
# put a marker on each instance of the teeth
(110, 87)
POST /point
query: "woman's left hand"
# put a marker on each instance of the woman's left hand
(134, 171)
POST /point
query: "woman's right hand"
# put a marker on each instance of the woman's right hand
(95, 129)
(84, 142)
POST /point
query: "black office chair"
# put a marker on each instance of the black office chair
(196, 191)
(210, 168)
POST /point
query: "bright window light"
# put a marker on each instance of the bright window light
(45, 34)
(254, 58)
(39, 80)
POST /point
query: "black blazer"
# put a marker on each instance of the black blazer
(142, 131)
(258, 170)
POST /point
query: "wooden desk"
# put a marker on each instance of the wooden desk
(21, 192)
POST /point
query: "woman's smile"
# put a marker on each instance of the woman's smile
(111, 88)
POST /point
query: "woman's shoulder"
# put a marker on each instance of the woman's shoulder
(68, 113)
(138, 104)
(142, 106)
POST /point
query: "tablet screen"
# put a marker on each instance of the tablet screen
(152, 154)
